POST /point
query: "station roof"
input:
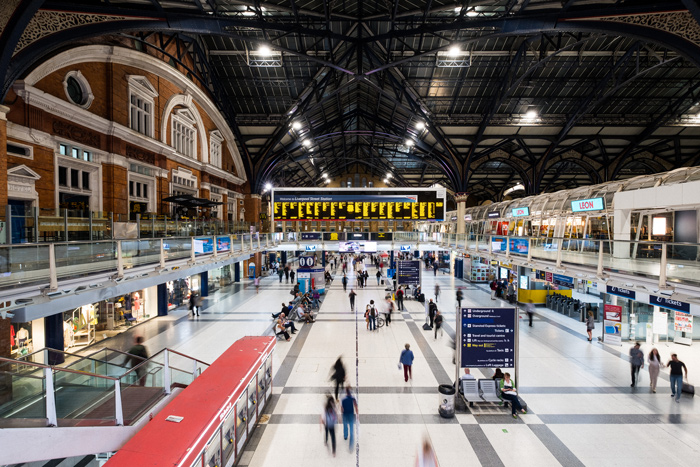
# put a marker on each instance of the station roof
(546, 94)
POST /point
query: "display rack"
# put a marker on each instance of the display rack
(480, 272)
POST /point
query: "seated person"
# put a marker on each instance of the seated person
(285, 309)
(290, 307)
(303, 314)
(467, 375)
(280, 330)
(297, 299)
(287, 323)
(315, 297)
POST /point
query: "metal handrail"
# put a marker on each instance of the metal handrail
(57, 368)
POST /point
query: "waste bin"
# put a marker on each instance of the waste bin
(447, 400)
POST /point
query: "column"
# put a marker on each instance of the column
(622, 231)
(461, 200)
(323, 259)
(392, 263)
(236, 272)
(53, 330)
(162, 299)
(3, 167)
(283, 260)
(204, 281)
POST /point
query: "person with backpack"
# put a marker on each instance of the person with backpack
(432, 309)
(399, 299)
(372, 315)
(328, 419)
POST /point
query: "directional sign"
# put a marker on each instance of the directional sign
(408, 273)
(307, 261)
(488, 337)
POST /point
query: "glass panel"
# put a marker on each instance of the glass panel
(83, 397)
(141, 387)
(23, 387)
(23, 264)
(228, 441)
(212, 456)
(81, 259)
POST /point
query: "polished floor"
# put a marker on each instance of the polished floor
(582, 410)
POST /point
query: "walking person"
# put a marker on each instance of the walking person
(338, 375)
(286, 274)
(655, 365)
(426, 456)
(677, 367)
(291, 275)
(509, 393)
(636, 362)
(438, 323)
(350, 410)
(530, 310)
(437, 292)
(435, 268)
(406, 359)
(280, 273)
(345, 282)
(399, 299)
(379, 276)
(459, 298)
(257, 284)
(432, 308)
(137, 355)
(510, 293)
(352, 296)
(493, 286)
(372, 316)
(389, 310)
(329, 419)
(590, 326)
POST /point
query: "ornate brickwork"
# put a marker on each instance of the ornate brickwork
(45, 23)
(76, 133)
(134, 152)
(679, 23)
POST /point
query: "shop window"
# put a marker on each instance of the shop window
(141, 98)
(86, 181)
(63, 176)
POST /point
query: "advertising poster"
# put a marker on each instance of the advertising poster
(498, 244)
(683, 322)
(612, 324)
(488, 337)
(548, 276)
(519, 246)
(223, 244)
(203, 246)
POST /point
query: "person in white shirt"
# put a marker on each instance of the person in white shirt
(467, 375)
(304, 315)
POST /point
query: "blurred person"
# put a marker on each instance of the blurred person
(677, 368)
(338, 375)
(426, 456)
(636, 362)
(137, 355)
(655, 365)
(329, 418)
(350, 411)
(438, 323)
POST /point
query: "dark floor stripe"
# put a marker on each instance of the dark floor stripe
(620, 419)
(370, 419)
(555, 446)
(482, 446)
(433, 363)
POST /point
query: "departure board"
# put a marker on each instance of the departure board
(355, 205)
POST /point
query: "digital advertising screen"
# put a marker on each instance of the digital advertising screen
(358, 204)
(357, 247)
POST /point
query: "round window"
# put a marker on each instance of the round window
(75, 91)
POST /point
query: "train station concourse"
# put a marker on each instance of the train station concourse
(356, 233)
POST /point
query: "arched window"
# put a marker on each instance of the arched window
(184, 133)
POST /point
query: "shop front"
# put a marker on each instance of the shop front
(25, 338)
(536, 285)
(220, 277)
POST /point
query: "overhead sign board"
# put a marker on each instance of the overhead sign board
(408, 272)
(626, 293)
(381, 236)
(307, 261)
(494, 214)
(310, 247)
(404, 247)
(590, 204)
(669, 303)
(311, 235)
(358, 204)
(518, 212)
(564, 281)
(488, 337)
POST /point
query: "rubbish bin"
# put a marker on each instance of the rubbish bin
(447, 400)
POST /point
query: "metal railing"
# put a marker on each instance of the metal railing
(36, 394)
(47, 264)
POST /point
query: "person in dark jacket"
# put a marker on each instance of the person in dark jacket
(137, 355)
(438, 322)
(338, 375)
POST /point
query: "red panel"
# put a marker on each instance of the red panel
(203, 404)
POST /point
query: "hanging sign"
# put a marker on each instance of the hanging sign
(590, 204)
(626, 293)
(518, 212)
(669, 303)
(307, 261)
(564, 281)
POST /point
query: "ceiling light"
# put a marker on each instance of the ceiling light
(306, 142)
(264, 50)
(324, 175)
(386, 180)
(454, 50)
(328, 180)
(420, 124)
(248, 13)
(531, 114)
(409, 142)
(296, 125)
(472, 13)
(458, 9)
(268, 186)
(388, 175)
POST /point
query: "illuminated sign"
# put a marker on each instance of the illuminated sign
(366, 204)
(517, 212)
(494, 214)
(591, 204)
(467, 217)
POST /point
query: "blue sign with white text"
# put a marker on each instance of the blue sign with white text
(518, 212)
(564, 281)
(669, 303)
(626, 293)
(488, 338)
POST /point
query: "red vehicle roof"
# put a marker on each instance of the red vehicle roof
(203, 404)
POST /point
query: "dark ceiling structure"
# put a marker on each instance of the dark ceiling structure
(488, 97)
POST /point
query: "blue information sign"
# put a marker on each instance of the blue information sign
(669, 303)
(564, 281)
(518, 212)
(590, 204)
(519, 245)
(488, 337)
(621, 292)
(408, 273)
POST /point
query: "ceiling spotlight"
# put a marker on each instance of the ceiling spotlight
(388, 175)
(531, 114)
(420, 124)
(472, 13)
(328, 180)
(454, 50)
(386, 180)
(306, 142)
(409, 142)
(248, 13)
(264, 50)
(296, 125)
(324, 175)
(268, 186)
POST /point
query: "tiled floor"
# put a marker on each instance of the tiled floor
(582, 409)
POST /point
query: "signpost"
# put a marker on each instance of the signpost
(408, 272)
(612, 324)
